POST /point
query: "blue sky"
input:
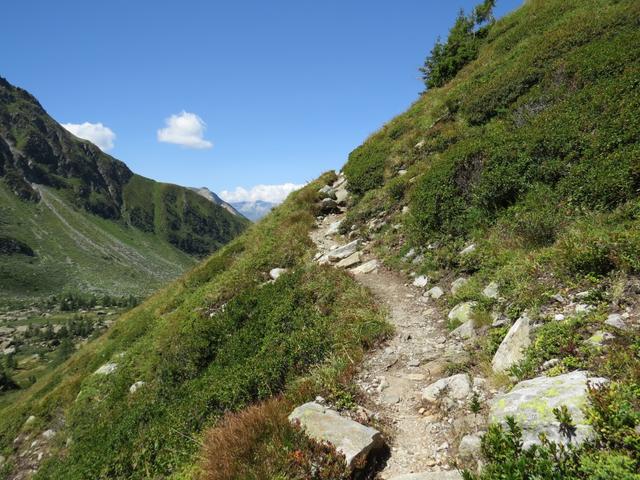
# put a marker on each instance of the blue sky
(287, 88)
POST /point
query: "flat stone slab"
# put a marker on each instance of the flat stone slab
(351, 261)
(344, 251)
(442, 475)
(365, 268)
(531, 403)
(352, 439)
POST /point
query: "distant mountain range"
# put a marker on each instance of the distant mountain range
(212, 197)
(254, 210)
(73, 217)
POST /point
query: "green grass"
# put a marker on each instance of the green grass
(217, 340)
(75, 250)
(532, 152)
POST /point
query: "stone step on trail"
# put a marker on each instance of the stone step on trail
(356, 441)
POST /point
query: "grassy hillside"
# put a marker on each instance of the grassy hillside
(217, 340)
(532, 153)
(72, 250)
(123, 231)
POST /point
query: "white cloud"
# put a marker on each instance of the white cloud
(268, 193)
(101, 136)
(186, 129)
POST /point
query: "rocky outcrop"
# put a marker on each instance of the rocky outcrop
(531, 403)
(511, 350)
(354, 440)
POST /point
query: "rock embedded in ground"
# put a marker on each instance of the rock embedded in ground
(343, 251)
(435, 293)
(333, 229)
(342, 195)
(355, 441)
(274, 273)
(468, 249)
(136, 386)
(421, 281)
(615, 320)
(491, 290)
(351, 261)
(458, 284)
(531, 403)
(328, 192)
(106, 369)
(365, 268)
(599, 338)
(329, 205)
(511, 349)
(464, 331)
(469, 448)
(462, 312)
(456, 387)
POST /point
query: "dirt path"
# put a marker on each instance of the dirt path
(394, 375)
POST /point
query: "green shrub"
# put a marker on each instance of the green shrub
(365, 167)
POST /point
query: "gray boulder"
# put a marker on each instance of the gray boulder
(491, 290)
(329, 205)
(469, 448)
(421, 281)
(351, 261)
(435, 293)
(352, 439)
(136, 386)
(333, 229)
(344, 251)
(464, 331)
(457, 387)
(106, 369)
(365, 268)
(511, 350)
(328, 192)
(615, 320)
(342, 195)
(275, 273)
(531, 403)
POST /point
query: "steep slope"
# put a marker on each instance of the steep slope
(62, 193)
(520, 175)
(220, 338)
(514, 192)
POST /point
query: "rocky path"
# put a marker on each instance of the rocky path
(394, 375)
